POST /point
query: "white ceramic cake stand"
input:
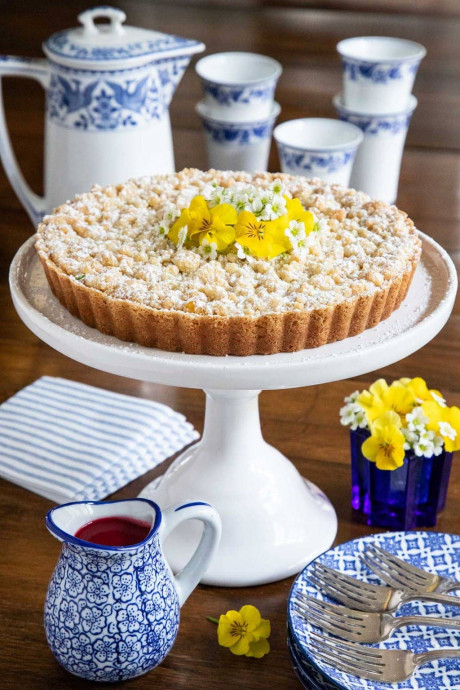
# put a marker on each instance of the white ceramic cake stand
(274, 521)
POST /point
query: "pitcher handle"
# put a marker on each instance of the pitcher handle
(34, 68)
(190, 575)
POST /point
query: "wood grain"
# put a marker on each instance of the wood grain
(302, 423)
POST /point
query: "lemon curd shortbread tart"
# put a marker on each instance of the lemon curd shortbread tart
(227, 262)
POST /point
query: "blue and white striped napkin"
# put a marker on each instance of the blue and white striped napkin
(71, 442)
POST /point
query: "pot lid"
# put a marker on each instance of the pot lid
(113, 45)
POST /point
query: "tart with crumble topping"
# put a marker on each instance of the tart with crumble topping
(228, 263)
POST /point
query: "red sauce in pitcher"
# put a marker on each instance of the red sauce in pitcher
(114, 531)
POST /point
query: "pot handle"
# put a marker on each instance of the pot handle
(190, 575)
(38, 69)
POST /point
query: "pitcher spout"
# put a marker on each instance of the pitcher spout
(69, 522)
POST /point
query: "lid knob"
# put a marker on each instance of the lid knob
(117, 17)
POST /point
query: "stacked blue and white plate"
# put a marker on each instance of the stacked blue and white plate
(434, 552)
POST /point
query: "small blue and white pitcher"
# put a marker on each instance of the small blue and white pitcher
(112, 612)
(108, 89)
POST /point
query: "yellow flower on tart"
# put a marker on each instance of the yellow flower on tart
(213, 225)
(296, 211)
(265, 239)
(262, 225)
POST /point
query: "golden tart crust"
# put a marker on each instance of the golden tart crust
(109, 267)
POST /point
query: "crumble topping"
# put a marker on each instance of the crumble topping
(110, 239)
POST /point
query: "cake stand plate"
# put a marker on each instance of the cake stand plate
(274, 521)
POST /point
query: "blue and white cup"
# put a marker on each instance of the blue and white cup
(378, 161)
(237, 85)
(318, 147)
(237, 145)
(379, 72)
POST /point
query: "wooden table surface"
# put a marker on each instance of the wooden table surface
(302, 423)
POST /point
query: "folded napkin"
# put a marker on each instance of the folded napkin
(71, 442)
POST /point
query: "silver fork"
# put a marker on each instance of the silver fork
(384, 665)
(398, 573)
(368, 597)
(360, 626)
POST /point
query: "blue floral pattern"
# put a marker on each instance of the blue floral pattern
(231, 95)
(238, 135)
(113, 100)
(432, 551)
(378, 73)
(375, 125)
(111, 616)
(103, 103)
(315, 164)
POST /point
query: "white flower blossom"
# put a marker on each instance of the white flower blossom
(268, 212)
(411, 437)
(422, 441)
(321, 225)
(257, 206)
(447, 431)
(353, 415)
(278, 203)
(423, 448)
(353, 397)
(208, 249)
(242, 252)
(416, 419)
(241, 201)
(277, 186)
(438, 398)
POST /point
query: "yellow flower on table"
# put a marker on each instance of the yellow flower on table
(265, 239)
(385, 446)
(244, 632)
(213, 225)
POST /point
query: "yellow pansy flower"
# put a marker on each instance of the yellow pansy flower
(420, 390)
(385, 446)
(215, 225)
(434, 412)
(381, 397)
(444, 421)
(451, 416)
(244, 632)
(264, 238)
(296, 211)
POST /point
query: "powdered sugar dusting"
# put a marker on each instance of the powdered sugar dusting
(108, 240)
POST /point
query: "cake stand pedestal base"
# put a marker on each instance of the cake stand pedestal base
(274, 521)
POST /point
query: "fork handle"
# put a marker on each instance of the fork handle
(402, 621)
(426, 657)
(447, 599)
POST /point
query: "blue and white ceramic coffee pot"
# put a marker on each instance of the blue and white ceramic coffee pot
(108, 88)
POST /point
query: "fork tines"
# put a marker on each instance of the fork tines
(344, 588)
(393, 570)
(337, 620)
(347, 656)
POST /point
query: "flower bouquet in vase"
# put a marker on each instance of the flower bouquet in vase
(402, 440)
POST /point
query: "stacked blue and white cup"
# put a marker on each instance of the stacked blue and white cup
(238, 109)
(378, 76)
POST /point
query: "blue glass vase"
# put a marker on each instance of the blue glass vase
(401, 499)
